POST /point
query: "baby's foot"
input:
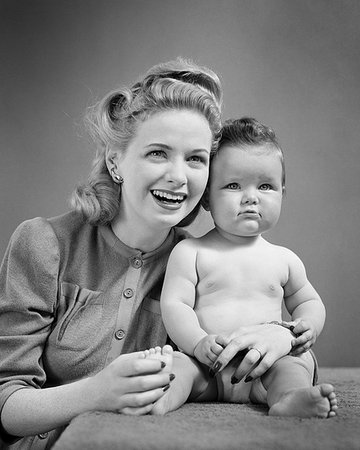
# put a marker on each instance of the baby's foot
(316, 401)
(164, 354)
(186, 371)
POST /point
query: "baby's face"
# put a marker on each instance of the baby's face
(245, 192)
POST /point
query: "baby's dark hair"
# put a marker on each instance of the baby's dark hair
(248, 132)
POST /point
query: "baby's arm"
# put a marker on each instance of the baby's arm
(304, 304)
(178, 301)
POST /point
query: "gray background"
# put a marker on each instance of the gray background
(292, 64)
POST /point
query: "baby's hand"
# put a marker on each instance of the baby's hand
(207, 349)
(306, 336)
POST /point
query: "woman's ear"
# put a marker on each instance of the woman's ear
(205, 199)
(111, 159)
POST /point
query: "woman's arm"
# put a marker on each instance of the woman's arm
(129, 381)
(28, 295)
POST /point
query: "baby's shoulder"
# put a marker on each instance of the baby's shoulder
(284, 253)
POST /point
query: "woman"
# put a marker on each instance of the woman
(79, 293)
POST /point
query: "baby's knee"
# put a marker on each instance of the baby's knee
(304, 361)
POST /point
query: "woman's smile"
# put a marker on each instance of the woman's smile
(165, 170)
(168, 199)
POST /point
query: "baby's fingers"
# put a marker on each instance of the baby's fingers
(222, 341)
(296, 351)
(301, 327)
(302, 339)
(216, 349)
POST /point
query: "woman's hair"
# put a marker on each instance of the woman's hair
(113, 122)
(248, 132)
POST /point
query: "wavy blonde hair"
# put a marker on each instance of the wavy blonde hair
(113, 122)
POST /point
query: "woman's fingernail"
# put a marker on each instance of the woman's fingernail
(234, 380)
(211, 373)
(166, 387)
(217, 367)
(248, 378)
(163, 364)
(171, 376)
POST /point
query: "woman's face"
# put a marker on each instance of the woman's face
(165, 169)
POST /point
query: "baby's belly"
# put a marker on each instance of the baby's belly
(227, 316)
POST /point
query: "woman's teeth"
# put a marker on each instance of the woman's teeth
(168, 197)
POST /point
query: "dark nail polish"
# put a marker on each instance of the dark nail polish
(171, 376)
(234, 380)
(217, 367)
(211, 373)
(291, 328)
(162, 364)
(247, 379)
(166, 387)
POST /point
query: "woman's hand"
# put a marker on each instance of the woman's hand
(131, 384)
(264, 343)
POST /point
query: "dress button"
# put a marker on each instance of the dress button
(43, 435)
(136, 262)
(120, 334)
(128, 293)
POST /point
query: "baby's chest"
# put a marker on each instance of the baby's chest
(266, 275)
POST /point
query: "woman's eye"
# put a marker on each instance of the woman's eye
(265, 187)
(232, 186)
(197, 159)
(157, 154)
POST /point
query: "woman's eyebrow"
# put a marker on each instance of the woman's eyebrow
(167, 147)
(158, 144)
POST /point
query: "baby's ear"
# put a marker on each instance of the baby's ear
(205, 199)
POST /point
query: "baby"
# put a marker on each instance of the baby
(233, 277)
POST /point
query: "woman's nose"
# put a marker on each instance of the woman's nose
(176, 173)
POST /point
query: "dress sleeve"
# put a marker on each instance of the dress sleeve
(28, 298)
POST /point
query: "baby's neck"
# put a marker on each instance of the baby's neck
(239, 240)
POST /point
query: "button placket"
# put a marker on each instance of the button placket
(128, 293)
(136, 262)
(125, 311)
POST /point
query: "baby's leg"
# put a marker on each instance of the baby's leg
(192, 382)
(290, 392)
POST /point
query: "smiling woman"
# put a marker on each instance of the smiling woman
(164, 176)
(88, 301)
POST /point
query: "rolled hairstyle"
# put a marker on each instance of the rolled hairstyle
(113, 122)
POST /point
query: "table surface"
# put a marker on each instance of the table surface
(224, 426)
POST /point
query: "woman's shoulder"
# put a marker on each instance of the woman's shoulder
(40, 231)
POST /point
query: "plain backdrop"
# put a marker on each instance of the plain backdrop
(292, 64)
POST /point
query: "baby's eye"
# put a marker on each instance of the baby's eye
(265, 187)
(233, 186)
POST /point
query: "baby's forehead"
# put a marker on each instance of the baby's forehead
(228, 154)
(257, 160)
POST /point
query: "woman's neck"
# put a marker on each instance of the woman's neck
(139, 236)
